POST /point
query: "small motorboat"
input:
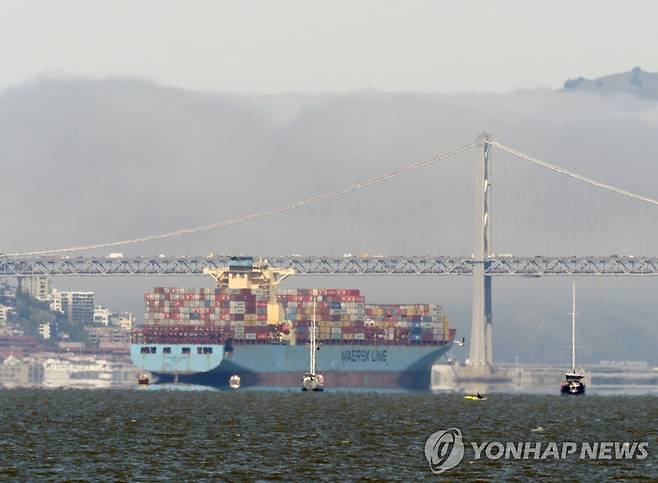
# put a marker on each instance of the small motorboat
(475, 397)
(143, 380)
(234, 382)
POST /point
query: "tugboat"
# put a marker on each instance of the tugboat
(313, 381)
(573, 384)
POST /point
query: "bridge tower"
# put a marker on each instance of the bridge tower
(481, 348)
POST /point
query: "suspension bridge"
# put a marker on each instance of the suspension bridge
(482, 265)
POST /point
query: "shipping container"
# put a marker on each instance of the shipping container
(341, 314)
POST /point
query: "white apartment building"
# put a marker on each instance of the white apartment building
(55, 300)
(125, 320)
(37, 286)
(101, 315)
(5, 311)
(77, 306)
(45, 331)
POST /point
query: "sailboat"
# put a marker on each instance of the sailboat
(573, 383)
(313, 381)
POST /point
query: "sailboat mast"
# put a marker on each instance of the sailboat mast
(312, 368)
(573, 326)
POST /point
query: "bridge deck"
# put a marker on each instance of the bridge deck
(319, 265)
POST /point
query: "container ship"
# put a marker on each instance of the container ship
(247, 327)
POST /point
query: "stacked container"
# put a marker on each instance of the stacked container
(338, 312)
(235, 313)
(342, 316)
(416, 323)
(213, 315)
(174, 306)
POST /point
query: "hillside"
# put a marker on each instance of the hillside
(636, 82)
(31, 313)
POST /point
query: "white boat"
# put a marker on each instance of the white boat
(77, 372)
(313, 381)
(234, 382)
(573, 383)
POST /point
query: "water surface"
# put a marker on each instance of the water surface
(198, 435)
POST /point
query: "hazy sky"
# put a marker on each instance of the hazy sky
(306, 46)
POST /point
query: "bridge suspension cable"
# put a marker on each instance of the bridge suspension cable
(571, 174)
(259, 215)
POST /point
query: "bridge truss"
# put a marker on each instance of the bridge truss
(322, 265)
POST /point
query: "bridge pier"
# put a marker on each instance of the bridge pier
(488, 319)
(481, 343)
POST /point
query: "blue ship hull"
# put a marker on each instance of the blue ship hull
(260, 364)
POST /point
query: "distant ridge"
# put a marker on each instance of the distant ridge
(636, 82)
